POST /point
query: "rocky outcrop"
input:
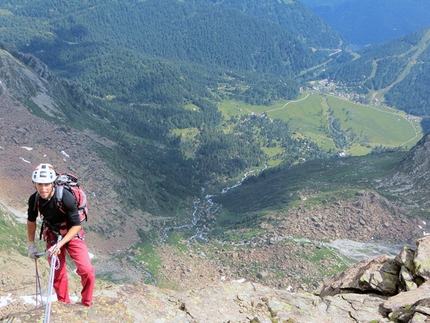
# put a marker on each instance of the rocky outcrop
(229, 302)
(404, 279)
(384, 289)
(380, 275)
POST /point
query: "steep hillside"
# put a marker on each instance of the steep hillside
(409, 183)
(394, 73)
(27, 140)
(292, 16)
(151, 141)
(400, 177)
(92, 42)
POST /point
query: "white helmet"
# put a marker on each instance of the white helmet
(44, 174)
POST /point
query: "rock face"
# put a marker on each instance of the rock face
(384, 289)
(380, 275)
(404, 278)
(230, 302)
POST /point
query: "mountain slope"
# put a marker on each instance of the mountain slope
(410, 178)
(149, 197)
(27, 140)
(311, 193)
(395, 73)
(92, 43)
(292, 16)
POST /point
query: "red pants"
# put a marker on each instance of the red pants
(78, 251)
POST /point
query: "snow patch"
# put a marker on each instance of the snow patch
(240, 281)
(25, 161)
(5, 299)
(28, 300)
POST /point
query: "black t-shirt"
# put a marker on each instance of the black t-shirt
(51, 212)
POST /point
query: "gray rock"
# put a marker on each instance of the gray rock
(422, 258)
(366, 292)
(406, 258)
(379, 275)
(404, 300)
(406, 280)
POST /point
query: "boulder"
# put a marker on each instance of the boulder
(422, 258)
(379, 275)
(402, 300)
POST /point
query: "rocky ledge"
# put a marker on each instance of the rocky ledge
(383, 289)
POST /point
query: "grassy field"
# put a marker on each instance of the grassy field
(333, 123)
(311, 116)
(13, 235)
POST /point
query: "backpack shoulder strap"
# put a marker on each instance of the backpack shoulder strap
(59, 190)
(36, 202)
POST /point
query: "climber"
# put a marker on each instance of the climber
(62, 231)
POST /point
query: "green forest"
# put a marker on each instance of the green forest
(396, 72)
(157, 73)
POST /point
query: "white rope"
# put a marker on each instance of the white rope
(55, 264)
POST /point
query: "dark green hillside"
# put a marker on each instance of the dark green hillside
(245, 206)
(293, 16)
(395, 72)
(154, 154)
(96, 41)
(156, 71)
(414, 86)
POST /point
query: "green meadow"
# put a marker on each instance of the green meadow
(312, 116)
